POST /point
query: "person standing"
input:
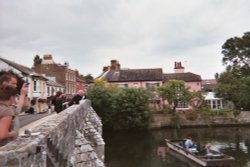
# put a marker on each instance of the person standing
(58, 101)
(76, 99)
(7, 98)
(10, 79)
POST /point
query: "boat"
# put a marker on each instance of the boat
(214, 159)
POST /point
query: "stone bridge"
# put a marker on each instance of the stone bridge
(72, 138)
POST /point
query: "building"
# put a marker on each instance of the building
(62, 73)
(114, 74)
(80, 84)
(53, 86)
(213, 102)
(192, 81)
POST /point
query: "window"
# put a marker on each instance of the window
(182, 105)
(48, 91)
(122, 85)
(36, 85)
(152, 84)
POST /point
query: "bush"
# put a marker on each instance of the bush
(132, 109)
(118, 108)
(101, 98)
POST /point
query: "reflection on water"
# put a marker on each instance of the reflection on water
(147, 149)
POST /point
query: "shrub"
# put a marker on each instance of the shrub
(126, 108)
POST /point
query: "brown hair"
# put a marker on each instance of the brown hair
(59, 93)
(6, 76)
(7, 92)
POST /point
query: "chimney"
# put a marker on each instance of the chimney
(105, 68)
(48, 59)
(115, 65)
(178, 67)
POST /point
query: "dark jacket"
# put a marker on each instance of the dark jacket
(75, 99)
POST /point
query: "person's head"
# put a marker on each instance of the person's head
(8, 94)
(58, 94)
(8, 79)
(80, 92)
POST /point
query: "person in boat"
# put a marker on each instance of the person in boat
(188, 143)
(208, 149)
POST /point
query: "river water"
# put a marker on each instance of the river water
(147, 149)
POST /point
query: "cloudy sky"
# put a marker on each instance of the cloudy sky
(137, 33)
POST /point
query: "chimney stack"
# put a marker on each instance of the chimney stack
(178, 67)
(115, 65)
(48, 59)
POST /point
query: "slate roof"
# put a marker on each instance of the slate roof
(208, 84)
(127, 75)
(53, 83)
(23, 69)
(187, 77)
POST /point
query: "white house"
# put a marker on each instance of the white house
(213, 102)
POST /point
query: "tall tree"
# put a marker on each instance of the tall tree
(236, 53)
(233, 84)
(37, 60)
(228, 86)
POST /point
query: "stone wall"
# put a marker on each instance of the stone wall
(71, 138)
(165, 120)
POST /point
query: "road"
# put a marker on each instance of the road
(29, 118)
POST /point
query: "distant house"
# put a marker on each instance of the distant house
(63, 74)
(114, 74)
(192, 81)
(213, 102)
(37, 83)
(208, 85)
(80, 84)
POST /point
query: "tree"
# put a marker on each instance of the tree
(236, 53)
(228, 86)
(88, 78)
(37, 60)
(244, 95)
(120, 108)
(233, 84)
(102, 97)
(174, 91)
(132, 109)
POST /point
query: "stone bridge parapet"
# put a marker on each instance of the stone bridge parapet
(72, 138)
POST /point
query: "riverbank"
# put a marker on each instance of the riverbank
(198, 120)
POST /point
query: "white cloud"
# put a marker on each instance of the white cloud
(140, 34)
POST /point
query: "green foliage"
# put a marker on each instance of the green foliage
(228, 86)
(126, 108)
(244, 94)
(209, 112)
(174, 91)
(37, 60)
(234, 83)
(236, 53)
(132, 107)
(101, 98)
(88, 78)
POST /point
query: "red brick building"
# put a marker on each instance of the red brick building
(63, 74)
